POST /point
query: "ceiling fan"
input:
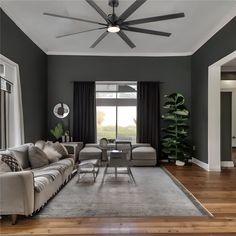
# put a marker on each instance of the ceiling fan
(115, 24)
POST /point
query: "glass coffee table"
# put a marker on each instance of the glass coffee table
(119, 161)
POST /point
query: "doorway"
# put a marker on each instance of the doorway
(214, 118)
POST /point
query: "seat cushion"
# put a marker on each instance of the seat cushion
(90, 153)
(21, 154)
(144, 153)
(44, 176)
(48, 174)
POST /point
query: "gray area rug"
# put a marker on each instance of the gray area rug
(155, 194)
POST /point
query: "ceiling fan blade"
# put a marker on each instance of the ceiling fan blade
(84, 31)
(73, 18)
(99, 39)
(126, 39)
(98, 9)
(129, 11)
(147, 31)
(153, 19)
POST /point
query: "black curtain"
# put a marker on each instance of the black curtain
(84, 113)
(148, 114)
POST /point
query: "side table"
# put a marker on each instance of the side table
(74, 148)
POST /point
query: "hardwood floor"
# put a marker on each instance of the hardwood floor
(216, 191)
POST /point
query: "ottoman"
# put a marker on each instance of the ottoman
(144, 156)
(90, 153)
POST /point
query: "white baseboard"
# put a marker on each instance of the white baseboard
(203, 165)
(227, 164)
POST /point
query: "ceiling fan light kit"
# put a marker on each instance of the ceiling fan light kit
(113, 29)
(114, 24)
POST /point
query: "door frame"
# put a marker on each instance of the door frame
(214, 78)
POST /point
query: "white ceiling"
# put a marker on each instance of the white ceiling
(203, 19)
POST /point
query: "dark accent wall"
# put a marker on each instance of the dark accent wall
(174, 73)
(226, 126)
(228, 75)
(32, 62)
(219, 46)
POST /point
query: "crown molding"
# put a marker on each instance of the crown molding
(20, 25)
(55, 53)
(222, 23)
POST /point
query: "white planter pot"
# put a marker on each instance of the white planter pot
(179, 163)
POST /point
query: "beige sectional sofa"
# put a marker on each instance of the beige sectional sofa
(24, 192)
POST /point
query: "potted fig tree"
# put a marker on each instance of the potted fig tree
(175, 144)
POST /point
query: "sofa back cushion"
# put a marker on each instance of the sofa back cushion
(37, 157)
(21, 154)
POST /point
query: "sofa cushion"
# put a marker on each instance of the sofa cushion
(40, 144)
(43, 177)
(60, 149)
(90, 153)
(4, 167)
(52, 153)
(37, 157)
(47, 174)
(12, 162)
(62, 165)
(21, 154)
(144, 153)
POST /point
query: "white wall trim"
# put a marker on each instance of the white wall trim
(131, 54)
(222, 23)
(18, 22)
(214, 78)
(203, 165)
(227, 164)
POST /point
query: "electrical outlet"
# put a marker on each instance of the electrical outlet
(194, 148)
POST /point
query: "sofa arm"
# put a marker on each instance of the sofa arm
(17, 193)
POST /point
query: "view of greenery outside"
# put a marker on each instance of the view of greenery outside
(106, 127)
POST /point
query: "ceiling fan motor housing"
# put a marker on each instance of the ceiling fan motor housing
(113, 3)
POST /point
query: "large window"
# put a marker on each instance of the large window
(116, 110)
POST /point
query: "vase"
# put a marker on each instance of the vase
(180, 163)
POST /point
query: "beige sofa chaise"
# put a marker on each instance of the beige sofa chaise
(25, 192)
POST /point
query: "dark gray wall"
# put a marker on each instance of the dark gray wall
(220, 45)
(32, 62)
(174, 72)
(226, 126)
(228, 75)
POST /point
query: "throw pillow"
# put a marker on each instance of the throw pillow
(37, 157)
(3, 166)
(12, 162)
(40, 144)
(60, 149)
(52, 154)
